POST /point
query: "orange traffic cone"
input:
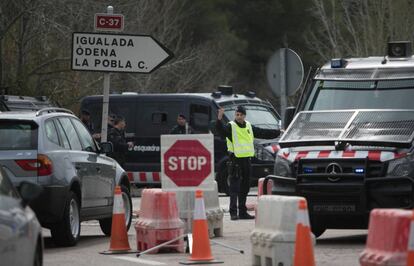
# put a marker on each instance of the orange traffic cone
(303, 247)
(201, 241)
(410, 249)
(119, 235)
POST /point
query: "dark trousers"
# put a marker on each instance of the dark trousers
(238, 174)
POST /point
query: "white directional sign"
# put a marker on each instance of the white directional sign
(117, 52)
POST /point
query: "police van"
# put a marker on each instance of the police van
(349, 148)
(150, 115)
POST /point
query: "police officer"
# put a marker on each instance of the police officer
(182, 126)
(116, 135)
(240, 136)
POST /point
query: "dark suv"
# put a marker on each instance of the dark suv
(54, 149)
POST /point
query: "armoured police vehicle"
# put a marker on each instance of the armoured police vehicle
(150, 115)
(349, 149)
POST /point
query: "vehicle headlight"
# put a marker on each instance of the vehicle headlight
(282, 167)
(403, 166)
(263, 154)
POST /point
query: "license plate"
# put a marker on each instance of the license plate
(343, 208)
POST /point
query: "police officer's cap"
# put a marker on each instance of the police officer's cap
(241, 109)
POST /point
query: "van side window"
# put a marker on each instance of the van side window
(200, 116)
(159, 118)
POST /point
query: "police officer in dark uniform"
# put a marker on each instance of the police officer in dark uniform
(182, 126)
(240, 136)
(117, 137)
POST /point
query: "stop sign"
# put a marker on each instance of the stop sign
(187, 163)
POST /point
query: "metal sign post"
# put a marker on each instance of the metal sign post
(284, 72)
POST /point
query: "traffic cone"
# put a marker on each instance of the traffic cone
(410, 249)
(119, 235)
(303, 247)
(201, 242)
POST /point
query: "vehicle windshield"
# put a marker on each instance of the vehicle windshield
(339, 95)
(258, 116)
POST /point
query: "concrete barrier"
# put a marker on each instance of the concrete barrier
(387, 240)
(158, 221)
(273, 238)
(185, 202)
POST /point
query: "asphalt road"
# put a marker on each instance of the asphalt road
(334, 247)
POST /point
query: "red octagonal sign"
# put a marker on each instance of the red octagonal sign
(187, 163)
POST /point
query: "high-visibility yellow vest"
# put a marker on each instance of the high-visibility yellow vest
(242, 144)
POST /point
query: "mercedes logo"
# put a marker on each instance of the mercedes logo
(333, 169)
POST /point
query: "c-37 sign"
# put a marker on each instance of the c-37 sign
(117, 52)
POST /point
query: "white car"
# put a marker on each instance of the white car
(21, 241)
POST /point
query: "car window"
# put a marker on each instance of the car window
(51, 132)
(71, 133)
(64, 139)
(6, 187)
(18, 135)
(84, 136)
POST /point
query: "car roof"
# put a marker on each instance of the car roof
(36, 115)
(368, 68)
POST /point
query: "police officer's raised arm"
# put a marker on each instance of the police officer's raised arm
(223, 130)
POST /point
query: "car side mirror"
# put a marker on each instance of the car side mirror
(106, 147)
(289, 114)
(29, 191)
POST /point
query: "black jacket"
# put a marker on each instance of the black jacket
(120, 145)
(177, 129)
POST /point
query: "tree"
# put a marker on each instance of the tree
(358, 27)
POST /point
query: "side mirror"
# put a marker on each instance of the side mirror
(29, 191)
(106, 147)
(289, 114)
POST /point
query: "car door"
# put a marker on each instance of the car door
(99, 183)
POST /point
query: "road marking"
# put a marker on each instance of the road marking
(149, 262)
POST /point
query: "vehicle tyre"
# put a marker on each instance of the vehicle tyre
(106, 223)
(222, 179)
(38, 257)
(67, 232)
(318, 229)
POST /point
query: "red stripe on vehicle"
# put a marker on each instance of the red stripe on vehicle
(275, 148)
(142, 177)
(374, 155)
(301, 154)
(348, 154)
(399, 155)
(324, 154)
(156, 176)
(130, 176)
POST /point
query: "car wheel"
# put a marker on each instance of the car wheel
(67, 232)
(222, 180)
(317, 229)
(106, 223)
(38, 259)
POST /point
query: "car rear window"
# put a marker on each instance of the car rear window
(18, 135)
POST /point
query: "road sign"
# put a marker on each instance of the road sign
(117, 52)
(187, 162)
(288, 62)
(109, 22)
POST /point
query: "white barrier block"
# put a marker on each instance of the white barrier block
(274, 235)
(214, 214)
